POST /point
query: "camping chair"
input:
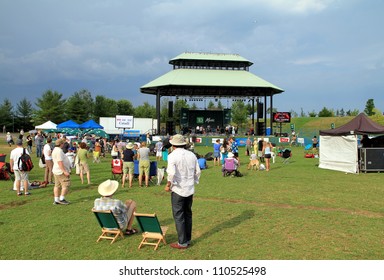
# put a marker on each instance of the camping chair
(229, 166)
(151, 230)
(286, 155)
(110, 228)
(117, 168)
(152, 171)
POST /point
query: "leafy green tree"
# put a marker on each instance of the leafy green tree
(180, 103)
(326, 113)
(302, 113)
(239, 113)
(211, 105)
(220, 106)
(164, 110)
(312, 114)
(342, 113)
(7, 115)
(104, 107)
(125, 108)
(24, 113)
(51, 106)
(369, 106)
(79, 107)
(193, 106)
(145, 111)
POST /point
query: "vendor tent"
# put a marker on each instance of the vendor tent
(46, 125)
(338, 147)
(68, 124)
(91, 124)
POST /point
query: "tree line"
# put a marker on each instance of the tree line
(81, 107)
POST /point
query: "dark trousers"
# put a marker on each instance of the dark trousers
(182, 214)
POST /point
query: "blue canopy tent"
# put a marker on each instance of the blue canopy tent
(91, 124)
(67, 124)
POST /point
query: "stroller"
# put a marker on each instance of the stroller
(286, 155)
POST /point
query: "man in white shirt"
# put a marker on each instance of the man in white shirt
(183, 173)
(20, 176)
(47, 151)
(61, 171)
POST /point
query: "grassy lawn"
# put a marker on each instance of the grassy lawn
(296, 211)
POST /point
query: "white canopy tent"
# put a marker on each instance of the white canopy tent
(339, 146)
(46, 125)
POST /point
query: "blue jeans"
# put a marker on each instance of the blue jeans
(182, 214)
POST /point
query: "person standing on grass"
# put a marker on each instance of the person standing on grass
(47, 151)
(128, 157)
(61, 171)
(20, 176)
(183, 173)
(267, 152)
(144, 164)
(82, 154)
(216, 153)
(159, 150)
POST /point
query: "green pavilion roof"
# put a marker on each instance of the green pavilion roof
(202, 81)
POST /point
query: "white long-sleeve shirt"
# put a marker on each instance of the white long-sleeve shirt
(183, 171)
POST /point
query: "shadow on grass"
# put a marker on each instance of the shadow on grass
(227, 224)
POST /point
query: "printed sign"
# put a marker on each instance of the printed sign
(124, 121)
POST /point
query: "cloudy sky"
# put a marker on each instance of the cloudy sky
(323, 53)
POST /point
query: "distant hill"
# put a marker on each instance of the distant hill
(308, 126)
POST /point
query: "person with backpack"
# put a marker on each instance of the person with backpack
(16, 166)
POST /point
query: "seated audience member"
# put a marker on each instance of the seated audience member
(236, 166)
(123, 211)
(202, 162)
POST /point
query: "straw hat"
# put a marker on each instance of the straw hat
(108, 188)
(60, 141)
(178, 140)
(129, 146)
(230, 155)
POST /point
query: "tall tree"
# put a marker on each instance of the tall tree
(326, 113)
(7, 115)
(211, 105)
(125, 107)
(51, 107)
(104, 107)
(239, 113)
(164, 110)
(220, 105)
(79, 107)
(369, 106)
(145, 111)
(180, 103)
(24, 113)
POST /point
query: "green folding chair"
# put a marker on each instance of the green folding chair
(151, 230)
(110, 228)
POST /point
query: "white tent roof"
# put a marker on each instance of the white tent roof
(46, 125)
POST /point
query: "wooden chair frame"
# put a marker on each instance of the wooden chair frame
(152, 232)
(110, 228)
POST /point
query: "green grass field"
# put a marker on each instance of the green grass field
(296, 211)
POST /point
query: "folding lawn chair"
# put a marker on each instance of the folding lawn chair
(110, 228)
(151, 230)
(117, 168)
(229, 166)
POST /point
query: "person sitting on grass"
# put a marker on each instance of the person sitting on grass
(202, 162)
(123, 211)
